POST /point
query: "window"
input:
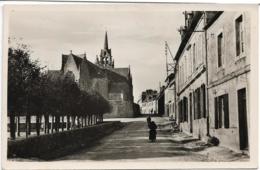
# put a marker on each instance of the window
(191, 59)
(194, 57)
(197, 104)
(194, 104)
(221, 112)
(185, 109)
(239, 36)
(180, 110)
(173, 108)
(220, 50)
(203, 101)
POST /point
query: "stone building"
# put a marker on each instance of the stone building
(228, 76)
(148, 102)
(191, 77)
(212, 77)
(160, 99)
(169, 94)
(114, 84)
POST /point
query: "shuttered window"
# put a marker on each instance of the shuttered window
(185, 108)
(180, 111)
(194, 104)
(226, 111)
(203, 91)
(216, 113)
(221, 112)
(198, 103)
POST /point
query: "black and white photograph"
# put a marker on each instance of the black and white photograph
(160, 85)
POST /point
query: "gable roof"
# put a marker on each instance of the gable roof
(117, 74)
(77, 58)
(99, 72)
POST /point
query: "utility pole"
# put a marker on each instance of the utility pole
(169, 65)
(166, 58)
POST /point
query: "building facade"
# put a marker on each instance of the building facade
(228, 72)
(160, 99)
(114, 84)
(191, 77)
(148, 102)
(212, 77)
(169, 94)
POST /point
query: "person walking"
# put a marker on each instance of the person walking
(152, 132)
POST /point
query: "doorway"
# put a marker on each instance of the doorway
(242, 115)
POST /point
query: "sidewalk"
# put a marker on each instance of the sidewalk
(213, 153)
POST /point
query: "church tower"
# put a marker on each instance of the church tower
(105, 57)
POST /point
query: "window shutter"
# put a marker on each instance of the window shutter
(204, 100)
(180, 110)
(195, 104)
(220, 101)
(199, 103)
(187, 109)
(216, 113)
(226, 111)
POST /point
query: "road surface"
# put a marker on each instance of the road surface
(131, 143)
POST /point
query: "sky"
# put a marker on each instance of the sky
(136, 35)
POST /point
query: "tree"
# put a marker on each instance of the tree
(23, 77)
(33, 92)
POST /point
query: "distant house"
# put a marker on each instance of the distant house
(170, 92)
(160, 101)
(148, 102)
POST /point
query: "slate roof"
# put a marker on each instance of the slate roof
(122, 71)
(117, 74)
(98, 72)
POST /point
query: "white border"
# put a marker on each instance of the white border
(151, 165)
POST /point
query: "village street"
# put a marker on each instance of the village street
(131, 144)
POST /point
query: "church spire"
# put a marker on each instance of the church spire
(106, 42)
(105, 57)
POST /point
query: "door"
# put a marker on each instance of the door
(191, 118)
(242, 115)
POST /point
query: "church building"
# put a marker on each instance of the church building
(114, 84)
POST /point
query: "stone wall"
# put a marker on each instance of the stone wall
(51, 146)
(120, 109)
